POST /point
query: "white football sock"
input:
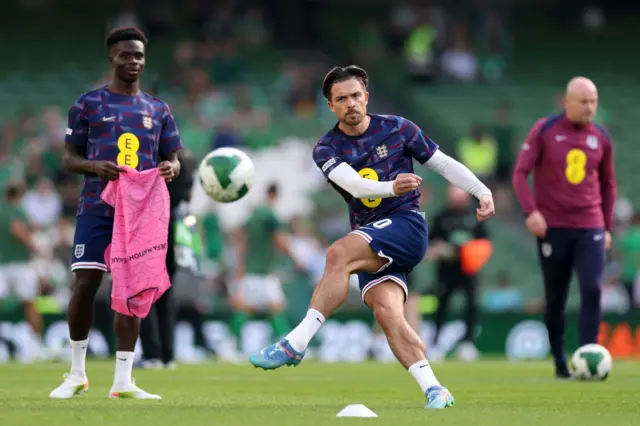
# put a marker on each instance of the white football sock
(124, 365)
(78, 357)
(300, 336)
(422, 372)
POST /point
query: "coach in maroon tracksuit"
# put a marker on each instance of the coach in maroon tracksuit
(571, 209)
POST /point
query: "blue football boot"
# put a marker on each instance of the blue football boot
(438, 397)
(275, 356)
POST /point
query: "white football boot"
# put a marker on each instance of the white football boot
(73, 385)
(130, 391)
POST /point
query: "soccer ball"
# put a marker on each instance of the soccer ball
(591, 362)
(226, 174)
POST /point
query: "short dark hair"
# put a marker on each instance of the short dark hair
(272, 190)
(338, 74)
(125, 34)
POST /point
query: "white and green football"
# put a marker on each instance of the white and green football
(226, 174)
(591, 362)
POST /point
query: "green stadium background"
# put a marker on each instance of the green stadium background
(248, 73)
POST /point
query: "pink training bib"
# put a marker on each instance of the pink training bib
(138, 250)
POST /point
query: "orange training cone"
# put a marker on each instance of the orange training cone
(474, 255)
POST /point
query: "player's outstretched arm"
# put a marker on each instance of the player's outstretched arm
(426, 151)
(348, 179)
(459, 175)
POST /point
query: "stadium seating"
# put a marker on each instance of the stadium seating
(536, 79)
(50, 73)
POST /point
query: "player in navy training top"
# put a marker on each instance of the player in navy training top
(368, 159)
(385, 150)
(571, 210)
(113, 126)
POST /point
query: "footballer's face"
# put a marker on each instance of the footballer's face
(581, 105)
(127, 59)
(349, 99)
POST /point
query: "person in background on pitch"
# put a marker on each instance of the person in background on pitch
(157, 329)
(16, 251)
(571, 209)
(452, 227)
(256, 287)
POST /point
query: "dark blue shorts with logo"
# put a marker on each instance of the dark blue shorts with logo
(93, 235)
(402, 239)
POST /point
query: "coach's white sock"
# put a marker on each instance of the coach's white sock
(422, 372)
(124, 365)
(300, 336)
(78, 357)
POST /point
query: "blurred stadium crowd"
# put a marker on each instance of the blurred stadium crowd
(247, 74)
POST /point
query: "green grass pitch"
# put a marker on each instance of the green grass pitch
(487, 393)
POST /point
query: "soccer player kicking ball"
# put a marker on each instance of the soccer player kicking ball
(571, 210)
(369, 160)
(116, 125)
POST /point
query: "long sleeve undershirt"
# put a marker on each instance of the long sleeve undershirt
(347, 178)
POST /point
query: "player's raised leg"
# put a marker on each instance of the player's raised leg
(386, 300)
(412, 307)
(347, 255)
(589, 263)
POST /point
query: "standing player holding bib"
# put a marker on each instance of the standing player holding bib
(113, 126)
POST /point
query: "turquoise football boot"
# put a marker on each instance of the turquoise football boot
(275, 356)
(439, 397)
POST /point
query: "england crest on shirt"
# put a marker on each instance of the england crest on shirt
(147, 122)
(592, 142)
(382, 151)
